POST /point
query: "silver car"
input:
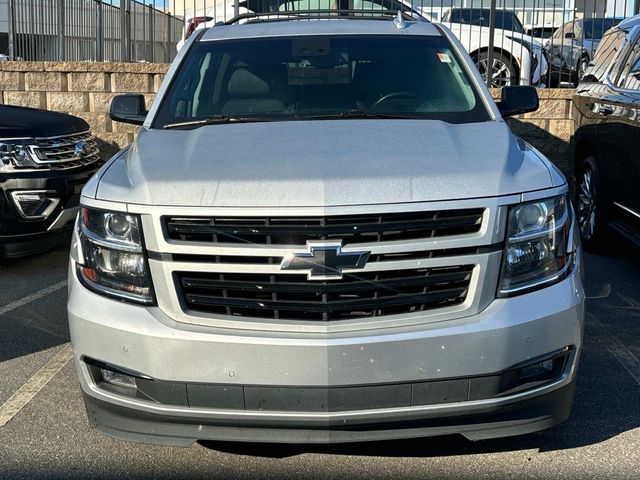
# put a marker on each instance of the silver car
(573, 46)
(325, 232)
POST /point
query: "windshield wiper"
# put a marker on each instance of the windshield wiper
(214, 120)
(218, 119)
(357, 113)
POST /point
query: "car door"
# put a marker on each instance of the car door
(627, 86)
(559, 49)
(618, 131)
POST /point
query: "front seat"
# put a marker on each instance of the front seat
(249, 94)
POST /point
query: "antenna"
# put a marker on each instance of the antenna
(399, 21)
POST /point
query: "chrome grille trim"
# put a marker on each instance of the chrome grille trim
(57, 149)
(481, 250)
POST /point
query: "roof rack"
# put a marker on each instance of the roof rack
(327, 14)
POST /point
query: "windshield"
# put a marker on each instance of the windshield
(306, 77)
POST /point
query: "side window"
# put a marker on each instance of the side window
(606, 54)
(478, 18)
(630, 74)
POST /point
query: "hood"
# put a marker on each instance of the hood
(323, 163)
(18, 122)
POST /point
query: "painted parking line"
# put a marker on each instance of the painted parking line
(627, 359)
(33, 297)
(30, 389)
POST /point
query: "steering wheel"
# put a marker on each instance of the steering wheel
(392, 95)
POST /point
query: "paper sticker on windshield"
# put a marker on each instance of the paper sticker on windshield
(444, 57)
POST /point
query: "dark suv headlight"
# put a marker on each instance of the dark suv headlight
(537, 252)
(113, 260)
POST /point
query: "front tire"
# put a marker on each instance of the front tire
(581, 68)
(591, 206)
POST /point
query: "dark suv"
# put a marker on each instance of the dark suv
(607, 138)
(45, 160)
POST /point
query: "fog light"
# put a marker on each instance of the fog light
(543, 368)
(35, 204)
(119, 379)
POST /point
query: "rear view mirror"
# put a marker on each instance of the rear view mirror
(568, 35)
(518, 99)
(129, 108)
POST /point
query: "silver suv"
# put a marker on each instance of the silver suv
(325, 232)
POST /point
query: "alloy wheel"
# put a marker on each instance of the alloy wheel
(587, 205)
(501, 73)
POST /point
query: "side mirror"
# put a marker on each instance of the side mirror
(568, 35)
(129, 108)
(515, 100)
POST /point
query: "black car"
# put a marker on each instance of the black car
(45, 160)
(607, 138)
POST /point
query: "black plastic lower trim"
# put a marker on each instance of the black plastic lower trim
(534, 414)
(343, 398)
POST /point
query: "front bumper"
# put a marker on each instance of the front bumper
(21, 236)
(539, 75)
(14, 246)
(143, 339)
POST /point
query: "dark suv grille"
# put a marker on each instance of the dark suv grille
(348, 228)
(68, 151)
(285, 296)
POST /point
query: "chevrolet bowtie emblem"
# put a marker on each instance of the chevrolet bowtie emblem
(324, 261)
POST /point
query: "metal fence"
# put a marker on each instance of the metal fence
(536, 42)
(93, 30)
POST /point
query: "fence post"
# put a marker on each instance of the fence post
(169, 39)
(236, 8)
(125, 25)
(12, 28)
(492, 31)
(62, 51)
(151, 33)
(99, 32)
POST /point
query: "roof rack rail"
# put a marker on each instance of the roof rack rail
(326, 14)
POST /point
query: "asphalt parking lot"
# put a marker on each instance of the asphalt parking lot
(46, 434)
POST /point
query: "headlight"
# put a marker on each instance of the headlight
(15, 155)
(113, 260)
(537, 247)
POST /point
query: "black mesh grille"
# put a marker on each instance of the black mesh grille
(370, 294)
(348, 228)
